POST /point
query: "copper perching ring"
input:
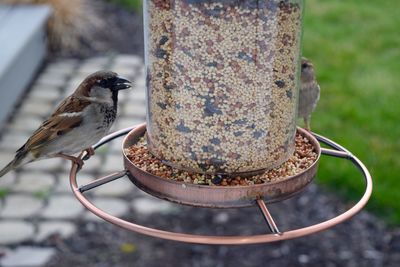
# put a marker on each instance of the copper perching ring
(276, 235)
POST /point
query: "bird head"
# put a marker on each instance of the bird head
(103, 86)
(307, 71)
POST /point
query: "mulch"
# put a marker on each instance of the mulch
(362, 241)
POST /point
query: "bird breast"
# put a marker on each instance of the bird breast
(97, 121)
(108, 114)
(308, 98)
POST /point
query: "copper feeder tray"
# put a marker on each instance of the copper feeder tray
(217, 196)
(220, 196)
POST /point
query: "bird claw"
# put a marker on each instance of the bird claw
(74, 160)
(89, 152)
(78, 161)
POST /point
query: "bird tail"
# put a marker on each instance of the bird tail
(10, 166)
(20, 159)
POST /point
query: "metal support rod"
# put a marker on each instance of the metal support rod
(335, 153)
(332, 144)
(268, 217)
(112, 136)
(101, 181)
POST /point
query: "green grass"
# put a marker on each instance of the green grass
(355, 46)
(135, 5)
(3, 192)
(42, 194)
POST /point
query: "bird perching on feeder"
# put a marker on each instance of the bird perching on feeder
(309, 92)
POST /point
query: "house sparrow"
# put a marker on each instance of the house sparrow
(79, 122)
(309, 92)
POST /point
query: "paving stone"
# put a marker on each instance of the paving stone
(46, 165)
(97, 60)
(26, 123)
(51, 79)
(123, 98)
(48, 228)
(7, 181)
(138, 94)
(44, 93)
(150, 205)
(70, 88)
(8, 147)
(63, 207)
(64, 66)
(137, 192)
(15, 136)
(73, 84)
(33, 182)
(77, 79)
(130, 60)
(114, 206)
(63, 181)
(142, 70)
(13, 140)
(134, 110)
(37, 108)
(66, 168)
(27, 257)
(55, 73)
(122, 123)
(21, 206)
(87, 69)
(15, 231)
(137, 99)
(114, 147)
(126, 122)
(124, 71)
(93, 164)
(5, 157)
(4, 250)
(117, 188)
(114, 127)
(114, 163)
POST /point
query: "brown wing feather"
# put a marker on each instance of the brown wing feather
(71, 104)
(57, 125)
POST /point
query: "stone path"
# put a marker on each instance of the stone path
(36, 202)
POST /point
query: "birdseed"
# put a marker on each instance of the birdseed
(302, 158)
(222, 79)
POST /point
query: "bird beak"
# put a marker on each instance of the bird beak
(121, 84)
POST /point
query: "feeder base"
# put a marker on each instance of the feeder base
(275, 235)
(217, 196)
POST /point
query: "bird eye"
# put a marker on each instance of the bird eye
(102, 83)
(106, 82)
(304, 65)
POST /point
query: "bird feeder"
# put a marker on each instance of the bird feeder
(222, 93)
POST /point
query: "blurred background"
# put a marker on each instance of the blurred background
(354, 46)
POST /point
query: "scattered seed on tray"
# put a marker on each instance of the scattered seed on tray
(302, 158)
(222, 81)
